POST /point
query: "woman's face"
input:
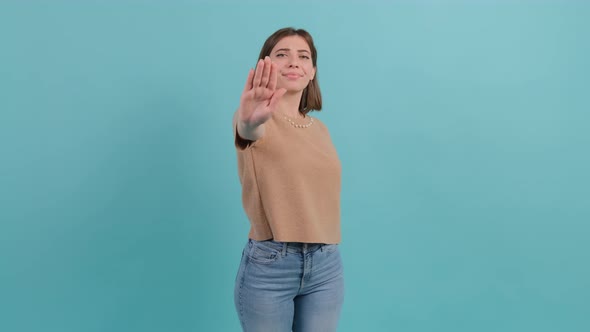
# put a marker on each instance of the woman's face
(293, 57)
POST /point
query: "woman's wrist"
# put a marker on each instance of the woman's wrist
(248, 131)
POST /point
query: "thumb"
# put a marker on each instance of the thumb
(274, 100)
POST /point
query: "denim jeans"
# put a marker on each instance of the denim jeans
(284, 286)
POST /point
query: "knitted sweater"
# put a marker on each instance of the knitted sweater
(291, 182)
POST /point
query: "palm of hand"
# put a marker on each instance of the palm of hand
(260, 96)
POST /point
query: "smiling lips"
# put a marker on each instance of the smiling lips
(292, 75)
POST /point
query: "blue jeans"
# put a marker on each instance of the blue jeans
(284, 286)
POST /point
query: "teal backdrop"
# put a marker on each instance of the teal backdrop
(462, 127)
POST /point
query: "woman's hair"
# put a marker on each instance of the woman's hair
(311, 99)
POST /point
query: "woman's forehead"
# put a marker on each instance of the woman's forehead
(297, 43)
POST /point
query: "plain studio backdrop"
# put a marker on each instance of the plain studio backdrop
(462, 127)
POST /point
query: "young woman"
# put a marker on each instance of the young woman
(290, 276)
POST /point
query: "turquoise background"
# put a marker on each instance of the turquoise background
(462, 127)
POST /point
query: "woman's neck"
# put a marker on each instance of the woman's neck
(289, 104)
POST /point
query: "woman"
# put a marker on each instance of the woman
(290, 276)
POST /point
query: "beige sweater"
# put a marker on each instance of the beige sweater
(291, 182)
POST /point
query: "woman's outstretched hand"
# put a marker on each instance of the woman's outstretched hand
(260, 96)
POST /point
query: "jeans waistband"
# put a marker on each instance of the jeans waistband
(291, 246)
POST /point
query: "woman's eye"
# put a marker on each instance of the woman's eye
(304, 57)
(280, 55)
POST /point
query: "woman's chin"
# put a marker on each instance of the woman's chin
(291, 89)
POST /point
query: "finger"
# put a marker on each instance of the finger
(275, 99)
(248, 85)
(272, 84)
(258, 74)
(266, 72)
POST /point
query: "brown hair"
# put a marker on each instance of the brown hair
(311, 99)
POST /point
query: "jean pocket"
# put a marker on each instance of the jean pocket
(263, 254)
(330, 248)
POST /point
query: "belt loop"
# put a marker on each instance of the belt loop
(321, 247)
(284, 248)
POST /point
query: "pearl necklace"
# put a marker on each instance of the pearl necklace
(299, 125)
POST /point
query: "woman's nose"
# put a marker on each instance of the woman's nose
(293, 62)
